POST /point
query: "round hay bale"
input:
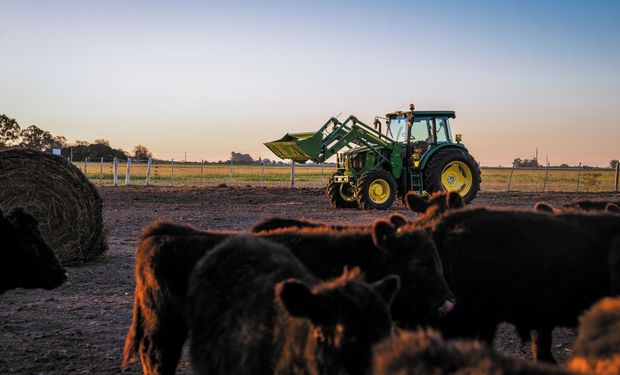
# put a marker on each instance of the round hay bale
(60, 196)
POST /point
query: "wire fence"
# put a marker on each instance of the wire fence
(172, 173)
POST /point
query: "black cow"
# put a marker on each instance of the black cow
(431, 208)
(426, 353)
(26, 260)
(614, 266)
(274, 223)
(595, 206)
(597, 347)
(253, 308)
(167, 253)
(522, 267)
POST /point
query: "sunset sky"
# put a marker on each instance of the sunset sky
(208, 78)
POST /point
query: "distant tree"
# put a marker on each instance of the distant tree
(9, 131)
(613, 163)
(141, 152)
(564, 166)
(37, 139)
(525, 163)
(101, 141)
(60, 142)
(82, 143)
(240, 158)
(94, 151)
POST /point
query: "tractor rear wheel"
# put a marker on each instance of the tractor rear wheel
(452, 169)
(376, 189)
(340, 195)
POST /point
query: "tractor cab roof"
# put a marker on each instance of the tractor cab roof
(450, 114)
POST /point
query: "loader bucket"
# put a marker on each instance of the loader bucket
(299, 147)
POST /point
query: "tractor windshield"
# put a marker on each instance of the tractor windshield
(397, 129)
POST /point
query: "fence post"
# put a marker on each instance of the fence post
(86, 166)
(173, 172)
(202, 168)
(578, 177)
(292, 174)
(128, 172)
(617, 175)
(115, 169)
(262, 174)
(546, 175)
(149, 163)
(510, 178)
(101, 172)
(230, 176)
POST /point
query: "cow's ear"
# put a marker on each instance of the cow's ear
(387, 287)
(454, 201)
(543, 207)
(612, 207)
(397, 220)
(383, 234)
(300, 302)
(415, 203)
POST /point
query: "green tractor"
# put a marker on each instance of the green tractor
(405, 151)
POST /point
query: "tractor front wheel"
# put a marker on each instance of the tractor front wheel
(453, 169)
(340, 195)
(376, 189)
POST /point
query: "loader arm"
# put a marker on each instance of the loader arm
(325, 143)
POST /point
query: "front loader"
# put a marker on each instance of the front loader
(415, 152)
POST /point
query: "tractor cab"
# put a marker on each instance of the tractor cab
(428, 130)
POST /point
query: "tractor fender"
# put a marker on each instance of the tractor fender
(426, 157)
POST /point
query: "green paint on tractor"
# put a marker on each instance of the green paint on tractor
(404, 151)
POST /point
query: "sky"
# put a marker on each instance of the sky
(207, 78)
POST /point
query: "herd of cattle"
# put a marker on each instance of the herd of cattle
(390, 297)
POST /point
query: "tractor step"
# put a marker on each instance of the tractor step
(416, 182)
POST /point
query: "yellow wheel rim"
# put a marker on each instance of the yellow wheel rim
(379, 191)
(346, 193)
(456, 176)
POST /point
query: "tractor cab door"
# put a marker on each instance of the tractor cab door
(422, 137)
(442, 130)
(426, 133)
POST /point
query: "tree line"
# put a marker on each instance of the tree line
(533, 163)
(32, 137)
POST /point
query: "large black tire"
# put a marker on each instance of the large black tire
(376, 189)
(340, 195)
(453, 169)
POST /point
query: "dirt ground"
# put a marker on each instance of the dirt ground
(79, 327)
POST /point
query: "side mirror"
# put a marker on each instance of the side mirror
(459, 138)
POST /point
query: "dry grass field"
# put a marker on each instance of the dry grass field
(193, 174)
